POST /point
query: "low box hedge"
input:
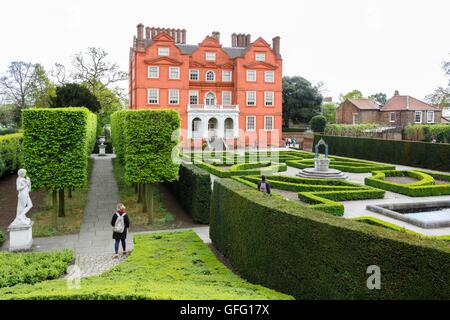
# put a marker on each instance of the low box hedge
(312, 255)
(343, 164)
(193, 191)
(10, 153)
(425, 186)
(257, 169)
(321, 194)
(409, 153)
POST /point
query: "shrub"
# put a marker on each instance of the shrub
(321, 194)
(32, 267)
(74, 95)
(318, 123)
(349, 130)
(313, 255)
(193, 191)
(428, 132)
(409, 153)
(257, 169)
(425, 186)
(167, 266)
(10, 152)
(2, 238)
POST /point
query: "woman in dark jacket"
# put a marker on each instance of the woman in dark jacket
(120, 236)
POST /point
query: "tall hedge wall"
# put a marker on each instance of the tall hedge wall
(10, 152)
(311, 255)
(57, 144)
(193, 191)
(410, 153)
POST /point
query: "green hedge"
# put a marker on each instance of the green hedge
(162, 266)
(349, 130)
(10, 153)
(57, 145)
(32, 267)
(193, 191)
(321, 194)
(344, 164)
(428, 132)
(423, 187)
(257, 169)
(313, 255)
(117, 133)
(410, 153)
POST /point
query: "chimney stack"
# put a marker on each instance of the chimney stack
(396, 93)
(147, 33)
(248, 40)
(216, 35)
(140, 31)
(183, 36)
(276, 45)
(178, 35)
(234, 40)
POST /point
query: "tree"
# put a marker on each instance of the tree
(23, 85)
(440, 97)
(301, 100)
(7, 116)
(329, 112)
(354, 94)
(43, 89)
(74, 95)
(318, 123)
(109, 103)
(379, 97)
(94, 70)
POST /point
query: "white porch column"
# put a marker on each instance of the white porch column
(205, 126)
(236, 125)
(189, 127)
(220, 126)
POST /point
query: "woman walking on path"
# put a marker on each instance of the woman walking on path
(120, 223)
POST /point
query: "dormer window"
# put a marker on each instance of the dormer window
(163, 51)
(260, 56)
(210, 56)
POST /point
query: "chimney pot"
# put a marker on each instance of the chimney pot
(396, 93)
(234, 40)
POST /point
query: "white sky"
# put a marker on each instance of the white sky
(368, 45)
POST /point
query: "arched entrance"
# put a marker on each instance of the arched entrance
(212, 127)
(196, 128)
(229, 128)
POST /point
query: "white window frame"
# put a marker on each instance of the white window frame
(206, 75)
(230, 97)
(392, 119)
(258, 56)
(247, 122)
(415, 116)
(355, 118)
(177, 73)
(273, 76)
(265, 123)
(266, 100)
(215, 98)
(193, 93)
(210, 56)
(162, 53)
(251, 72)
(227, 78)
(176, 100)
(157, 95)
(247, 93)
(194, 71)
(432, 117)
(156, 68)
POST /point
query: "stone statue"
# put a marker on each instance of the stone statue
(24, 203)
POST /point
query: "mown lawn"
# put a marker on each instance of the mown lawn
(167, 265)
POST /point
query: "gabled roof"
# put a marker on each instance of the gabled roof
(365, 104)
(399, 102)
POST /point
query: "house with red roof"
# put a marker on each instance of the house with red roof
(398, 111)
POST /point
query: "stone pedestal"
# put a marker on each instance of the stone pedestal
(102, 150)
(20, 237)
(321, 164)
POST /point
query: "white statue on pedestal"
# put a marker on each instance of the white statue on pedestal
(24, 203)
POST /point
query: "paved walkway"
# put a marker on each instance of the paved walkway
(94, 245)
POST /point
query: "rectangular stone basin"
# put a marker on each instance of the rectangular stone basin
(427, 215)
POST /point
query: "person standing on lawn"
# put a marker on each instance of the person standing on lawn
(120, 223)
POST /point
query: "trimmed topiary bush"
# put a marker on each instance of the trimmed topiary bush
(318, 123)
(193, 191)
(10, 153)
(409, 153)
(313, 255)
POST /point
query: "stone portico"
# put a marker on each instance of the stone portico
(206, 121)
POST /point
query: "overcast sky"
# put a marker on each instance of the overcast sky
(373, 46)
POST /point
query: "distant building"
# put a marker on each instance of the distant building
(398, 111)
(233, 93)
